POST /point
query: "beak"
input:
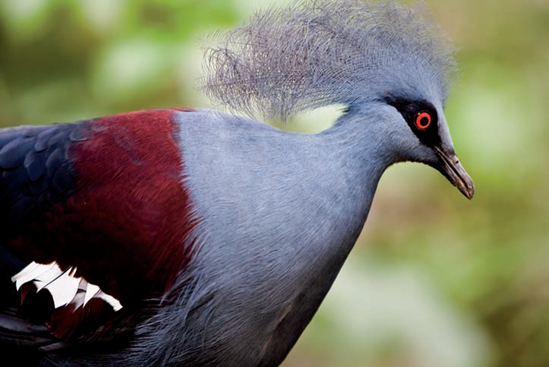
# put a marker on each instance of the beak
(455, 173)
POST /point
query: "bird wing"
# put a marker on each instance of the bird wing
(94, 218)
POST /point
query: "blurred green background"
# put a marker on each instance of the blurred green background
(435, 280)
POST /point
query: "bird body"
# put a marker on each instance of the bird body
(196, 237)
(247, 198)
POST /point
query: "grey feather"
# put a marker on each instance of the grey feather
(324, 52)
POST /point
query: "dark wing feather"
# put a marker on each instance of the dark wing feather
(35, 171)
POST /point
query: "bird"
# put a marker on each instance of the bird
(206, 236)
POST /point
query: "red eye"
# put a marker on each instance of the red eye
(423, 121)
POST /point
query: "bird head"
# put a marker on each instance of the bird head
(389, 63)
(419, 129)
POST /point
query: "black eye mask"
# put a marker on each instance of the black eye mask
(421, 116)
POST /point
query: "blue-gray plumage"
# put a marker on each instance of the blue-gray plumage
(275, 214)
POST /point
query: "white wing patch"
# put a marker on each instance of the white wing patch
(63, 286)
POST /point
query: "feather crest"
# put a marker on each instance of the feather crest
(318, 53)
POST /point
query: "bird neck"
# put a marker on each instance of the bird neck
(357, 158)
(362, 156)
(328, 214)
